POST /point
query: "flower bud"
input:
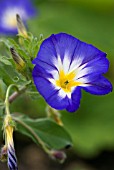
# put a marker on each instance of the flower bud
(20, 64)
(60, 156)
(8, 131)
(20, 26)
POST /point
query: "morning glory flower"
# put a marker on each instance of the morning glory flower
(8, 11)
(65, 65)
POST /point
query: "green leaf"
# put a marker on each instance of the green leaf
(8, 73)
(52, 135)
(11, 43)
(5, 60)
(2, 89)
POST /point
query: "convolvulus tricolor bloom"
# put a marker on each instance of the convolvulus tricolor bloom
(65, 65)
(8, 11)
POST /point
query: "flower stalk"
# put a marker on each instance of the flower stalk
(7, 98)
(55, 114)
(8, 151)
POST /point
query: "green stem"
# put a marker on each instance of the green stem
(13, 96)
(55, 114)
(34, 134)
(10, 98)
(7, 97)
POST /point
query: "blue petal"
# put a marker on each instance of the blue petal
(54, 46)
(62, 43)
(47, 53)
(25, 5)
(86, 52)
(100, 86)
(65, 43)
(57, 102)
(51, 94)
(48, 90)
(94, 67)
(74, 102)
(12, 160)
(39, 71)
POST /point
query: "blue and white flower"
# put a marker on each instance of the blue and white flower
(65, 65)
(8, 11)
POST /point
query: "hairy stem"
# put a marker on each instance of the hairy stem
(16, 94)
(7, 97)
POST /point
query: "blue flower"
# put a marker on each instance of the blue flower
(8, 11)
(64, 66)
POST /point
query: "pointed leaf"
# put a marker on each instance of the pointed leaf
(53, 135)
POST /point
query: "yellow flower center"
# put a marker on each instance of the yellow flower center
(11, 21)
(66, 81)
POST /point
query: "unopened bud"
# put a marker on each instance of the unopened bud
(59, 156)
(8, 131)
(20, 64)
(20, 26)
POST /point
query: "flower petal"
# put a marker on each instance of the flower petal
(57, 46)
(100, 86)
(64, 44)
(38, 71)
(48, 72)
(96, 66)
(58, 100)
(54, 96)
(74, 102)
(12, 160)
(8, 11)
(47, 53)
(85, 53)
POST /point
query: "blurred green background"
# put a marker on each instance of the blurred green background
(92, 126)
